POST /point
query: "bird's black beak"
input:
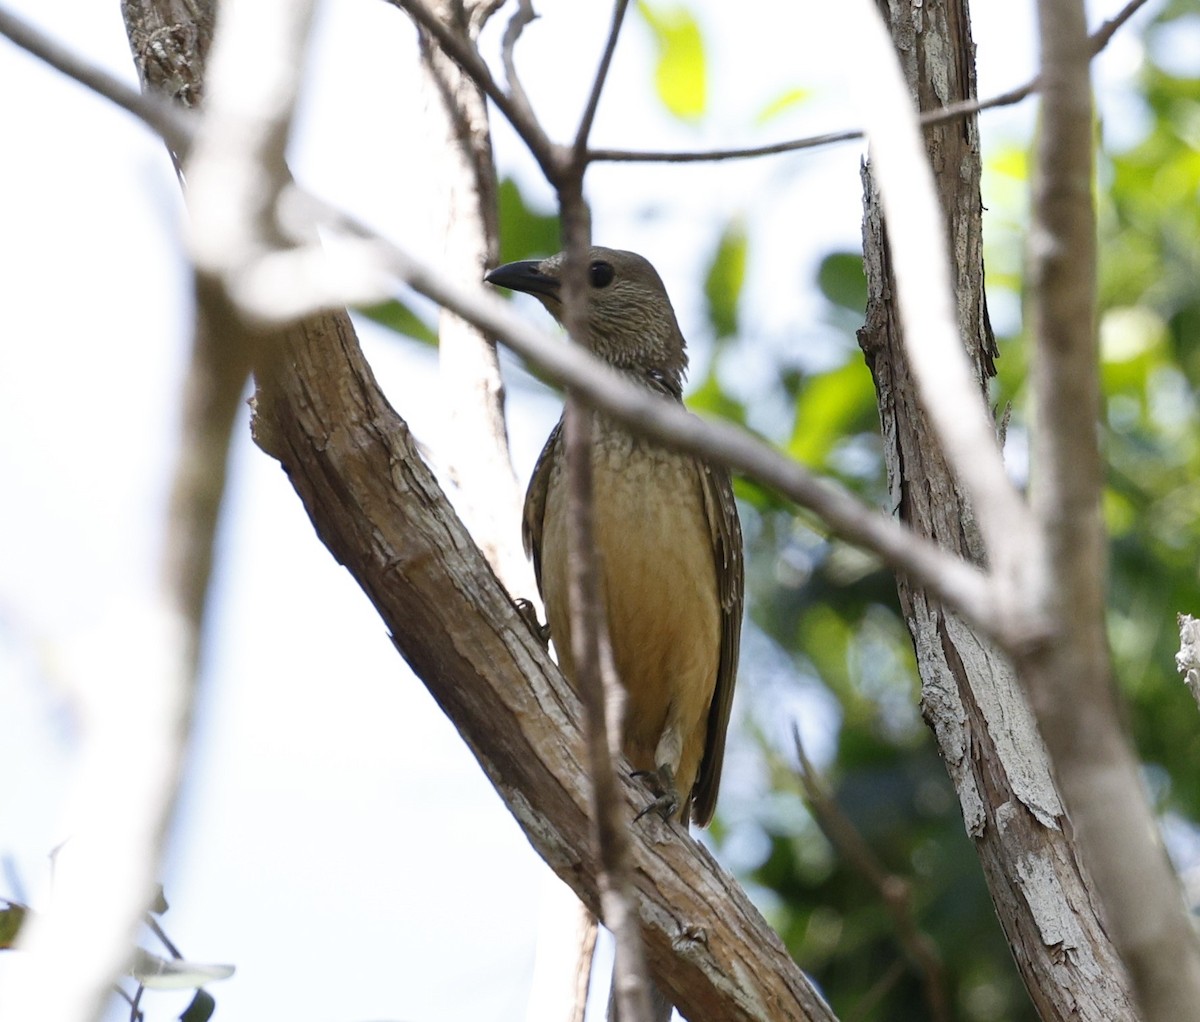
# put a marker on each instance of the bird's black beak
(525, 276)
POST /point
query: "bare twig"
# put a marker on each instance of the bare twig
(600, 689)
(593, 101)
(596, 673)
(522, 16)
(894, 891)
(562, 965)
(1099, 39)
(515, 107)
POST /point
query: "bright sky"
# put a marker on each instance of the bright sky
(335, 840)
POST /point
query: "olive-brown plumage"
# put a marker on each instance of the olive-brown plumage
(667, 534)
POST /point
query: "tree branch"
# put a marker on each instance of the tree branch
(591, 650)
(515, 107)
(593, 101)
(1070, 680)
(969, 692)
(894, 891)
(522, 16)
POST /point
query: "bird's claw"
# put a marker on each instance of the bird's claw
(526, 612)
(666, 800)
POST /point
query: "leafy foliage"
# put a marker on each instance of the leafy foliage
(680, 75)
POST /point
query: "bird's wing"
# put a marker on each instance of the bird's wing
(726, 532)
(535, 502)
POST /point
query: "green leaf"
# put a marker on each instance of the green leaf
(711, 399)
(782, 103)
(842, 281)
(159, 905)
(201, 1008)
(524, 232)
(723, 284)
(832, 406)
(397, 316)
(680, 75)
(11, 918)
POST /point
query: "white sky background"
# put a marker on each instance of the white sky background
(335, 839)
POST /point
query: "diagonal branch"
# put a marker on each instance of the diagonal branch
(463, 52)
(521, 17)
(945, 381)
(894, 891)
(593, 101)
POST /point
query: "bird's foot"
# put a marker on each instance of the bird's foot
(526, 613)
(662, 783)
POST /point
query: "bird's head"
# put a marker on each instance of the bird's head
(630, 321)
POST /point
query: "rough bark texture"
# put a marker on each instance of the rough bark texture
(970, 698)
(379, 510)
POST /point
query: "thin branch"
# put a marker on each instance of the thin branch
(595, 677)
(522, 16)
(480, 13)
(173, 124)
(161, 934)
(515, 107)
(1099, 39)
(715, 155)
(961, 585)
(951, 112)
(894, 891)
(595, 672)
(593, 101)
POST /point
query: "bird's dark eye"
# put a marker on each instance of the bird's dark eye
(601, 273)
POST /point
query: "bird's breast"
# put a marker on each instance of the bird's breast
(658, 577)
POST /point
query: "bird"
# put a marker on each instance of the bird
(667, 535)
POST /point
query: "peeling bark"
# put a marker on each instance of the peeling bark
(970, 697)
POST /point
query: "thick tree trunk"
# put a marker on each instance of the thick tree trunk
(381, 513)
(970, 697)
